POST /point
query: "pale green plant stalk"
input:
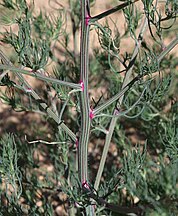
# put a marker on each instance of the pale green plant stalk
(86, 113)
(84, 101)
(115, 112)
(40, 76)
(167, 49)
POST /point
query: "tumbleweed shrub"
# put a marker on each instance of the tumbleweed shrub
(100, 135)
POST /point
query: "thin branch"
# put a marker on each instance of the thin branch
(112, 10)
(43, 141)
(39, 100)
(39, 76)
(115, 112)
(167, 49)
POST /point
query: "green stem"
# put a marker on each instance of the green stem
(116, 96)
(39, 76)
(167, 49)
(84, 101)
(114, 120)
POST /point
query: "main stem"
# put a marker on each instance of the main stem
(84, 102)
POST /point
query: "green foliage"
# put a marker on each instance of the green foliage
(33, 52)
(132, 17)
(81, 101)
(10, 175)
(170, 139)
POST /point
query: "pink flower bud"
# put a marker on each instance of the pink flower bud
(85, 185)
(76, 143)
(87, 19)
(28, 90)
(91, 114)
(82, 85)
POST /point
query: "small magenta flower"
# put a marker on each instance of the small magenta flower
(76, 143)
(163, 47)
(87, 19)
(82, 85)
(116, 112)
(28, 90)
(77, 205)
(91, 115)
(85, 185)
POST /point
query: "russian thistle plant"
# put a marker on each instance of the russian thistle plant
(135, 82)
